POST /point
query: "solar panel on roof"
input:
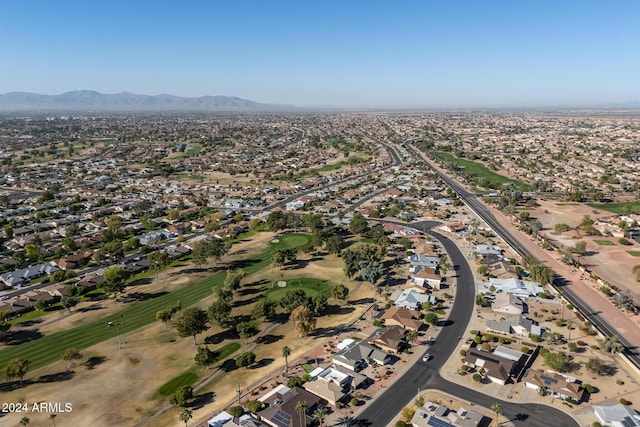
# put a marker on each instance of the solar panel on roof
(437, 422)
(548, 380)
(281, 419)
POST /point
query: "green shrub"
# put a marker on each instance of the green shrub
(355, 402)
(589, 388)
(525, 349)
(624, 401)
(477, 377)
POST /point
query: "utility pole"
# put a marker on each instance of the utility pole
(239, 390)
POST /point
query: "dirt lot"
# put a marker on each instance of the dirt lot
(612, 262)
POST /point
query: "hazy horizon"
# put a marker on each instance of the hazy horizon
(368, 55)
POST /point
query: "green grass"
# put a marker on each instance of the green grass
(620, 208)
(604, 243)
(34, 314)
(328, 168)
(227, 350)
(480, 171)
(171, 386)
(634, 253)
(311, 287)
(293, 240)
(49, 348)
(189, 378)
(307, 368)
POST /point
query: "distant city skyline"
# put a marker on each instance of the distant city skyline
(373, 54)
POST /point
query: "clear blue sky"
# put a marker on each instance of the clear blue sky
(345, 53)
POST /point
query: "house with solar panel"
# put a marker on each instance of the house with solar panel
(554, 384)
(434, 415)
(280, 407)
(618, 415)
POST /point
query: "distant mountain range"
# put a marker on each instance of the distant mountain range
(83, 100)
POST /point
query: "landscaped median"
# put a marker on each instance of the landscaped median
(49, 348)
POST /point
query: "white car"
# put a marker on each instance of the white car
(426, 357)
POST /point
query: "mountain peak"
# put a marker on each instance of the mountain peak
(79, 100)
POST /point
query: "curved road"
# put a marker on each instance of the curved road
(422, 376)
(597, 319)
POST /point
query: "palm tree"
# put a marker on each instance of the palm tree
(319, 416)
(24, 421)
(412, 336)
(611, 344)
(497, 408)
(286, 352)
(301, 407)
(52, 417)
(185, 416)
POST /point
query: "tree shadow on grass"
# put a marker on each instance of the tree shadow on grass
(243, 263)
(16, 337)
(361, 301)
(338, 309)
(202, 400)
(142, 281)
(143, 296)
(220, 337)
(57, 377)
(240, 303)
(270, 339)
(262, 363)
(329, 331)
(94, 361)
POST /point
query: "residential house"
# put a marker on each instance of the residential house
(427, 278)
(617, 415)
(412, 299)
(508, 304)
(19, 278)
(72, 262)
(554, 384)
(403, 317)
(354, 355)
(515, 325)
(389, 338)
(432, 414)
(488, 250)
(280, 410)
(498, 369)
(418, 260)
(330, 384)
(225, 419)
(521, 288)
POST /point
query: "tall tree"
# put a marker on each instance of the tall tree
(17, 368)
(115, 280)
(340, 292)
(611, 344)
(219, 313)
(205, 356)
(301, 408)
(192, 322)
(497, 409)
(358, 224)
(286, 352)
(303, 320)
(70, 355)
(185, 416)
(371, 271)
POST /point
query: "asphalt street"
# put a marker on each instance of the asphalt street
(424, 375)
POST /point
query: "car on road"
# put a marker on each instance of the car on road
(426, 357)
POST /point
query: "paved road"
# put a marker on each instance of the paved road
(423, 376)
(571, 294)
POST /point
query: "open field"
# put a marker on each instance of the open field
(480, 171)
(49, 348)
(130, 378)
